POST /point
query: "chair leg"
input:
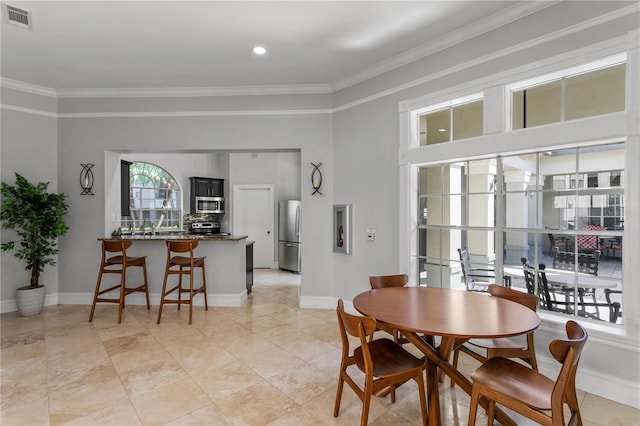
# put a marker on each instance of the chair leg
(146, 283)
(204, 288)
(491, 412)
(366, 402)
(123, 285)
(456, 354)
(180, 287)
(190, 296)
(423, 397)
(336, 408)
(95, 294)
(162, 295)
(473, 409)
(530, 345)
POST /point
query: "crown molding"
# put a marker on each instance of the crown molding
(29, 110)
(179, 92)
(228, 113)
(171, 92)
(28, 87)
(467, 32)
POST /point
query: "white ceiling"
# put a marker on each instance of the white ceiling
(320, 45)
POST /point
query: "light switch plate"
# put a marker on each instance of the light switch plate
(371, 233)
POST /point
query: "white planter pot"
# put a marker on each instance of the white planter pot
(30, 300)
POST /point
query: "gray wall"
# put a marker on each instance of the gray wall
(311, 134)
(29, 147)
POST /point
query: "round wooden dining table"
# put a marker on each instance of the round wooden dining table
(455, 316)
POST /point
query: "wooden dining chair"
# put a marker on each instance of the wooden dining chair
(395, 280)
(503, 347)
(384, 363)
(382, 281)
(528, 392)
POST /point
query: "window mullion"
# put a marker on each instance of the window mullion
(500, 222)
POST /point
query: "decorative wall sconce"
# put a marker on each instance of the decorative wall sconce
(86, 179)
(316, 178)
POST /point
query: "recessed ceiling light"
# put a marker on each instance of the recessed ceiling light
(442, 130)
(259, 50)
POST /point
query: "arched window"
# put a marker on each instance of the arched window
(154, 198)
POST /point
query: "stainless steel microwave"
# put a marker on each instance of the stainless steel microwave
(209, 205)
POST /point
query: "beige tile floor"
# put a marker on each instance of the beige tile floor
(266, 363)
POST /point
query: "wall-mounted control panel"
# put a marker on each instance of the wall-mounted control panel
(371, 233)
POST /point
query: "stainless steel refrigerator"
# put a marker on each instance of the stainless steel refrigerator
(289, 236)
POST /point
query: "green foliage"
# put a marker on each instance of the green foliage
(37, 216)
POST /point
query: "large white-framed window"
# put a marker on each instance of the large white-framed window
(527, 206)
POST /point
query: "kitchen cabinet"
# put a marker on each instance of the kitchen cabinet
(206, 187)
(125, 188)
(249, 265)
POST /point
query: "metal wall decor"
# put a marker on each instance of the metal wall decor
(86, 179)
(316, 178)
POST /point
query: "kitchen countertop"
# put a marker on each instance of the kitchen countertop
(178, 236)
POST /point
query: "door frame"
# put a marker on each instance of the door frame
(236, 189)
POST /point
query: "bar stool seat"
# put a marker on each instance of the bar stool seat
(186, 266)
(118, 264)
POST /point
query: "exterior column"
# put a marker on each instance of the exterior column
(482, 175)
(517, 215)
(445, 211)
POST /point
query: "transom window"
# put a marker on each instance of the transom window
(586, 91)
(458, 119)
(155, 199)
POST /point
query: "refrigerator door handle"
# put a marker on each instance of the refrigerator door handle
(297, 220)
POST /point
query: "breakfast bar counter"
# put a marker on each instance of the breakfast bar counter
(178, 236)
(226, 264)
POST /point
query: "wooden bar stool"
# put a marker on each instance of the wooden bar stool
(118, 264)
(185, 266)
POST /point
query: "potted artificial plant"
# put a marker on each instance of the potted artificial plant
(37, 216)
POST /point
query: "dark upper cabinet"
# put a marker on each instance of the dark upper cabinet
(207, 187)
(125, 188)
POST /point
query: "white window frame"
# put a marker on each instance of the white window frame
(580, 132)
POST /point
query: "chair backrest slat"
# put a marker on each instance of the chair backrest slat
(382, 281)
(182, 246)
(525, 299)
(113, 246)
(577, 337)
(351, 323)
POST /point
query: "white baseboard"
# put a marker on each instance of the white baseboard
(10, 305)
(133, 299)
(318, 302)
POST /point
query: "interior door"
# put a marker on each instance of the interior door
(253, 215)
